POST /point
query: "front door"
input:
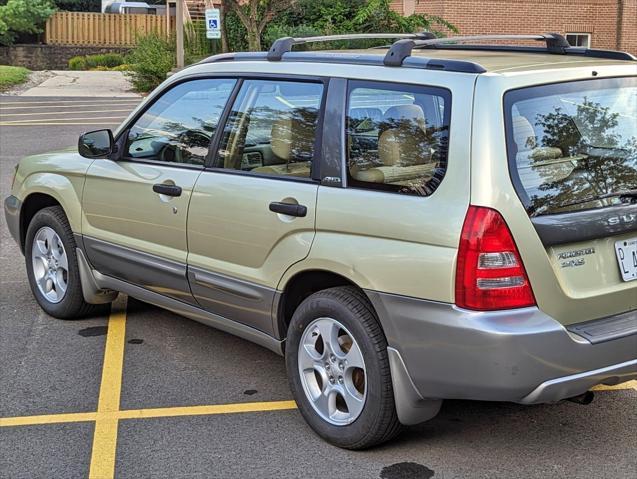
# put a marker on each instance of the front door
(252, 213)
(135, 208)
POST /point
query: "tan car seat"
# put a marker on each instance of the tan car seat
(292, 143)
(403, 148)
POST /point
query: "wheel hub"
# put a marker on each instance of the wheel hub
(49, 263)
(332, 371)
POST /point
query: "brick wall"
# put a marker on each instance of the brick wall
(611, 23)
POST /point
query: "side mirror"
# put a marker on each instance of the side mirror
(96, 144)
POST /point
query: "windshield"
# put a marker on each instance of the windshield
(573, 146)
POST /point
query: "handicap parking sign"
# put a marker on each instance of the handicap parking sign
(213, 23)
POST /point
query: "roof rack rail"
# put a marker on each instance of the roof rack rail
(555, 43)
(285, 44)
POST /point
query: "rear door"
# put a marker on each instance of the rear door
(136, 207)
(573, 159)
(252, 213)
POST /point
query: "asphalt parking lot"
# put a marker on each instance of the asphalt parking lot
(147, 393)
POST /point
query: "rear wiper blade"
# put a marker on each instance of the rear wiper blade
(613, 194)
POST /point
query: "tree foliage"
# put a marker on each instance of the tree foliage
(263, 21)
(79, 5)
(23, 16)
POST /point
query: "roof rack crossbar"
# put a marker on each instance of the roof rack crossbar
(285, 44)
(555, 43)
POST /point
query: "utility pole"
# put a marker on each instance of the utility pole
(180, 33)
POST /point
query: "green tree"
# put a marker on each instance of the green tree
(255, 15)
(23, 16)
(79, 5)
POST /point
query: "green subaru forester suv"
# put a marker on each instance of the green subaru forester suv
(429, 220)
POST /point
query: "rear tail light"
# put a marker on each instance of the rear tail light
(490, 274)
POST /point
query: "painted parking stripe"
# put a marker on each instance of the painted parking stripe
(79, 100)
(105, 435)
(617, 387)
(75, 112)
(62, 124)
(47, 419)
(4, 108)
(69, 119)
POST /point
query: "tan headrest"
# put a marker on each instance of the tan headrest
(405, 115)
(403, 147)
(293, 135)
(523, 133)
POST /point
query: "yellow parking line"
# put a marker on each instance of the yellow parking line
(47, 419)
(3, 109)
(60, 124)
(105, 435)
(79, 100)
(207, 410)
(27, 122)
(626, 385)
(56, 112)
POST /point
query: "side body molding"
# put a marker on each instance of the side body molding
(242, 301)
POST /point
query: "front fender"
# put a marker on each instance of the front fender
(65, 190)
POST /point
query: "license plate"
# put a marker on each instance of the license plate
(627, 258)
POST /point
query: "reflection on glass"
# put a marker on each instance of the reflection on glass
(576, 144)
(397, 140)
(271, 129)
(178, 127)
(95, 144)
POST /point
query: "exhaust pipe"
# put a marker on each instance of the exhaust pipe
(584, 399)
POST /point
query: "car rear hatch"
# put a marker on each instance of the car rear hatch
(572, 151)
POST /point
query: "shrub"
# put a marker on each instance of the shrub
(102, 61)
(77, 63)
(22, 16)
(108, 60)
(150, 61)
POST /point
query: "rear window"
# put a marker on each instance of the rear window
(573, 146)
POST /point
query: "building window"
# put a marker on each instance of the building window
(579, 39)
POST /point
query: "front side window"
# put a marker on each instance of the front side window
(272, 128)
(178, 127)
(573, 146)
(397, 137)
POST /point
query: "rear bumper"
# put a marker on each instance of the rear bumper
(522, 356)
(12, 207)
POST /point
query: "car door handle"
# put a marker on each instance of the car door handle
(288, 209)
(168, 190)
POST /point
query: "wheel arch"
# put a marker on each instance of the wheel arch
(300, 285)
(41, 190)
(30, 206)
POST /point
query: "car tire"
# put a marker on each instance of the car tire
(52, 267)
(318, 369)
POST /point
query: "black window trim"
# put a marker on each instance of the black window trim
(353, 83)
(316, 159)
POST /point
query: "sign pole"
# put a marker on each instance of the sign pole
(180, 33)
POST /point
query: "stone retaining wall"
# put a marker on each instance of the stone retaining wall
(48, 57)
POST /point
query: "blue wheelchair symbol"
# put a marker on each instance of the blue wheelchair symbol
(213, 24)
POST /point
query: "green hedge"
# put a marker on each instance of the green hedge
(102, 61)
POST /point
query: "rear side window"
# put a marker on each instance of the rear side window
(272, 128)
(397, 137)
(573, 146)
